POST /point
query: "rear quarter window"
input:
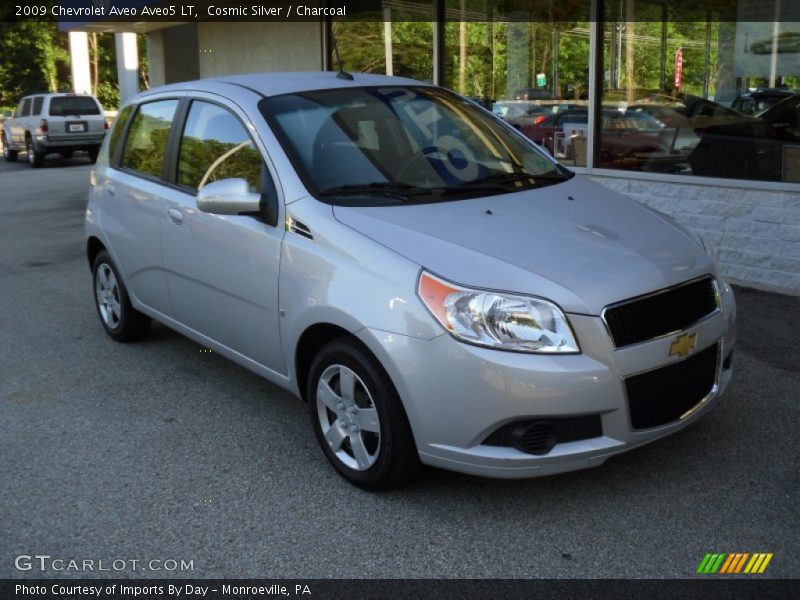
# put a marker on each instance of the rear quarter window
(116, 132)
(62, 106)
(37, 106)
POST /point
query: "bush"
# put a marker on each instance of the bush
(108, 94)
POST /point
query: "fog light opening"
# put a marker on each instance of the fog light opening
(538, 437)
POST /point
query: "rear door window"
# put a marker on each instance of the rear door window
(73, 106)
(146, 143)
(37, 106)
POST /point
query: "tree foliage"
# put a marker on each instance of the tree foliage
(34, 57)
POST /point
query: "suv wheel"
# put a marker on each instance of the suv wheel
(35, 158)
(9, 154)
(121, 321)
(92, 155)
(358, 418)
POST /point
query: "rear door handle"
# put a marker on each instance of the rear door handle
(110, 189)
(175, 215)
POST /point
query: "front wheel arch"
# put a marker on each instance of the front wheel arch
(308, 345)
(396, 458)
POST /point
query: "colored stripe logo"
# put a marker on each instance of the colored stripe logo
(734, 563)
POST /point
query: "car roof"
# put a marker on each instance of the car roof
(277, 83)
(56, 94)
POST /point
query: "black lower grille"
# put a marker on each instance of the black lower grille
(650, 316)
(661, 396)
(539, 436)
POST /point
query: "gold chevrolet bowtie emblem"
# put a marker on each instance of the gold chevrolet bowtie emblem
(683, 344)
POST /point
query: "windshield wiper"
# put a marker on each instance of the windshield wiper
(500, 180)
(376, 188)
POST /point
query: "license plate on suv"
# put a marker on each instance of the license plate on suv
(78, 127)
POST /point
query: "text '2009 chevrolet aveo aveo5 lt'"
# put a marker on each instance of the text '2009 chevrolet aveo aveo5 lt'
(437, 289)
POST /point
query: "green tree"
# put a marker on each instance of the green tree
(33, 58)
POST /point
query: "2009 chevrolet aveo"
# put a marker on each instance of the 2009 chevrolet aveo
(436, 288)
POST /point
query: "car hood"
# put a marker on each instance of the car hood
(577, 243)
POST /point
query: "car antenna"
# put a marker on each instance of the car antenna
(342, 74)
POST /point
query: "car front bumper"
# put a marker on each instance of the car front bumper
(455, 394)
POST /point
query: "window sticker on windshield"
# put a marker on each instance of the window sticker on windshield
(451, 152)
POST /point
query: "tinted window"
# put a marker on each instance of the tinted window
(37, 106)
(61, 106)
(116, 133)
(216, 146)
(26, 107)
(147, 139)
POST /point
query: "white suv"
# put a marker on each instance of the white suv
(48, 123)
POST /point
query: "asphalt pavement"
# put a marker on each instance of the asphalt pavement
(157, 450)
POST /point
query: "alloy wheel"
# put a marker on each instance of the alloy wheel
(348, 417)
(108, 298)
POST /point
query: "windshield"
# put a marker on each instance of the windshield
(383, 145)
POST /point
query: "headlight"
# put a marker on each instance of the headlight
(497, 320)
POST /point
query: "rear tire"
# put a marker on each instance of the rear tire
(121, 321)
(9, 154)
(35, 158)
(362, 427)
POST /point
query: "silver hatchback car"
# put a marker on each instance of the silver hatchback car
(436, 288)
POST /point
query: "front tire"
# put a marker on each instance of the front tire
(358, 418)
(121, 321)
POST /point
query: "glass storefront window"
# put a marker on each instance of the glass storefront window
(688, 91)
(398, 41)
(527, 64)
(689, 87)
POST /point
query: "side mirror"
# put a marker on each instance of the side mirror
(228, 197)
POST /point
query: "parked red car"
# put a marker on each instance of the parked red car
(628, 139)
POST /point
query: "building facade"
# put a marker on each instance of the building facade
(689, 107)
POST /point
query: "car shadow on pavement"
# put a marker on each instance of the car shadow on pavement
(51, 162)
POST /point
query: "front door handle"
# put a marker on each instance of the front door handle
(175, 215)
